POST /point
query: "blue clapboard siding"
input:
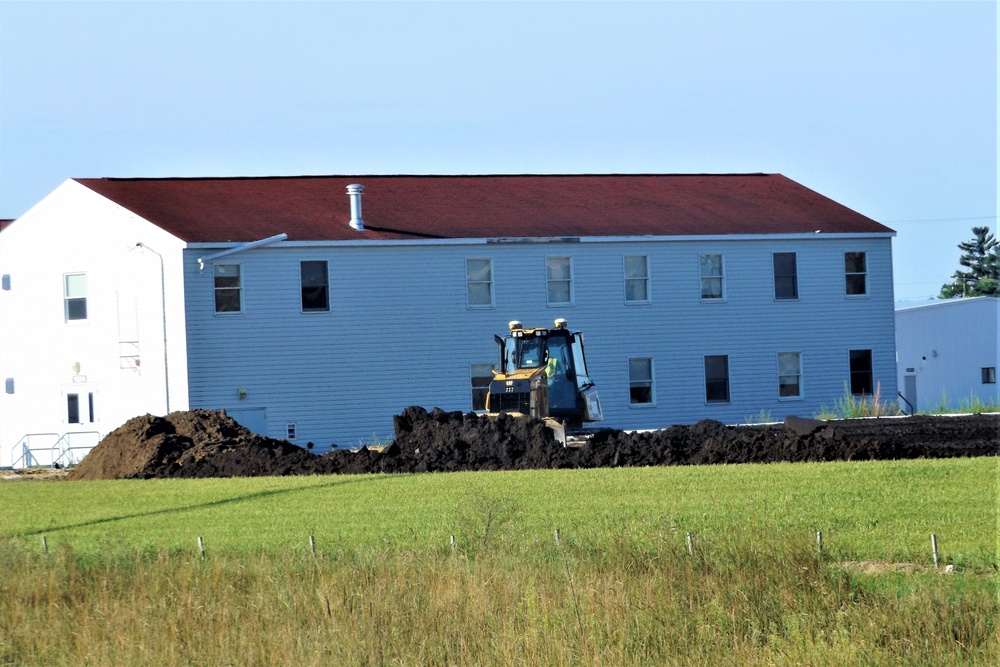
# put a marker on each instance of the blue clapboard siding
(399, 331)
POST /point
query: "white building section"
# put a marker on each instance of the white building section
(949, 352)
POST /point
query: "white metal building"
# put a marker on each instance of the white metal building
(314, 310)
(948, 353)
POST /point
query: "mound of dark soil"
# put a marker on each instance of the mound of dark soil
(206, 443)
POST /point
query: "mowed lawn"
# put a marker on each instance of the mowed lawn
(865, 510)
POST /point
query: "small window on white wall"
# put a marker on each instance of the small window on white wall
(75, 296)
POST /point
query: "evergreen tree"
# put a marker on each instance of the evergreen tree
(980, 257)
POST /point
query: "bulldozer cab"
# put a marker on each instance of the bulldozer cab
(543, 372)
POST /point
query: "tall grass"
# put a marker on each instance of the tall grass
(123, 582)
(628, 600)
(743, 597)
(849, 406)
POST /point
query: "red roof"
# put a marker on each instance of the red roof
(317, 208)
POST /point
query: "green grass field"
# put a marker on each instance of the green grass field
(123, 581)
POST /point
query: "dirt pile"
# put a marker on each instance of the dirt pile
(205, 443)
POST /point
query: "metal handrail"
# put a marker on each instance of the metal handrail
(67, 438)
(26, 450)
(912, 409)
(62, 447)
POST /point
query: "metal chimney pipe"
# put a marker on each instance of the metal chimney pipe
(355, 191)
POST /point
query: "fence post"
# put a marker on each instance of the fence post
(934, 549)
(690, 543)
(201, 547)
(312, 545)
(819, 542)
(45, 546)
(557, 537)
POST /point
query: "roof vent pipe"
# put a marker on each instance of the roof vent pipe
(355, 191)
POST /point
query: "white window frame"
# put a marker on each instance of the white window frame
(848, 274)
(794, 276)
(729, 383)
(302, 287)
(643, 279)
(640, 383)
(216, 288)
(721, 277)
(797, 375)
(67, 297)
(550, 281)
(469, 283)
(291, 431)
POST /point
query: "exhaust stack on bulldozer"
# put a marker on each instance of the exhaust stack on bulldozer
(543, 373)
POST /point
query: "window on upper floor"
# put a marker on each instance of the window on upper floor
(482, 375)
(315, 286)
(862, 382)
(640, 381)
(786, 279)
(856, 273)
(789, 375)
(712, 280)
(228, 288)
(479, 282)
(717, 378)
(636, 279)
(990, 375)
(559, 280)
(75, 296)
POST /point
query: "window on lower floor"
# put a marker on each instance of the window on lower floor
(74, 410)
(315, 286)
(789, 375)
(559, 280)
(479, 281)
(712, 283)
(228, 288)
(291, 431)
(990, 375)
(786, 279)
(717, 378)
(640, 381)
(856, 273)
(482, 374)
(636, 279)
(862, 382)
(75, 296)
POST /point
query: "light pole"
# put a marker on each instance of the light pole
(163, 302)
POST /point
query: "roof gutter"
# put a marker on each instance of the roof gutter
(240, 248)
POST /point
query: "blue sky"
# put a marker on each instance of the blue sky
(887, 107)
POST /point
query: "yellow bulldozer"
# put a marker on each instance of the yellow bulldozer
(543, 373)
